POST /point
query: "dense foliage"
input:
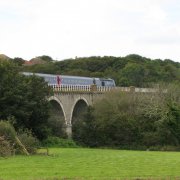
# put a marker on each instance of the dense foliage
(133, 120)
(23, 100)
(59, 142)
(132, 70)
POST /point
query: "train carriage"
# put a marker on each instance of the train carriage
(73, 80)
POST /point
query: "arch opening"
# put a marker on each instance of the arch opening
(79, 111)
(56, 119)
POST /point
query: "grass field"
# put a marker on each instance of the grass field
(77, 163)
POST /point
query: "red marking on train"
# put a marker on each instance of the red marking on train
(59, 80)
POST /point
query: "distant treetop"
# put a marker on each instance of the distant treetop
(45, 58)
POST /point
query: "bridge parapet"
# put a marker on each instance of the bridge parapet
(100, 89)
(80, 88)
(70, 88)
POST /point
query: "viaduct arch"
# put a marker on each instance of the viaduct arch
(71, 106)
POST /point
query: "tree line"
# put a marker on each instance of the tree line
(132, 70)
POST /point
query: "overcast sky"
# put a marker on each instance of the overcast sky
(69, 28)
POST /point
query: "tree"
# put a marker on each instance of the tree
(18, 61)
(132, 75)
(23, 99)
(86, 132)
(37, 106)
(159, 121)
(115, 119)
(46, 58)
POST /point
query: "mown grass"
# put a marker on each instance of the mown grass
(78, 163)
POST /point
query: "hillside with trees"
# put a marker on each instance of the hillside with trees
(132, 70)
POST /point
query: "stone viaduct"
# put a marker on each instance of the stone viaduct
(70, 101)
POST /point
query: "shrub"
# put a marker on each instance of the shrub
(5, 147)
(29, 141)
(7, 138)
(10, 142)
(7, 130)
(164, 148)
(58, 142)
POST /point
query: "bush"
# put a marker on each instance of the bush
(29, 141)
(10, 142)
(59, 142)
(164, 148)
(5, 147)
(7, 131)
(7, 138)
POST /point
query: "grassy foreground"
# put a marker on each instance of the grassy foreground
(77, 163)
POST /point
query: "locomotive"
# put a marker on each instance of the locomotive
(73, 80)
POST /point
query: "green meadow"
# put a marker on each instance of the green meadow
(82, 163)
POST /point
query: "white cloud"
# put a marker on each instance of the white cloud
(68, 28)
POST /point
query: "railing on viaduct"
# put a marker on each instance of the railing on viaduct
(100, 89)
